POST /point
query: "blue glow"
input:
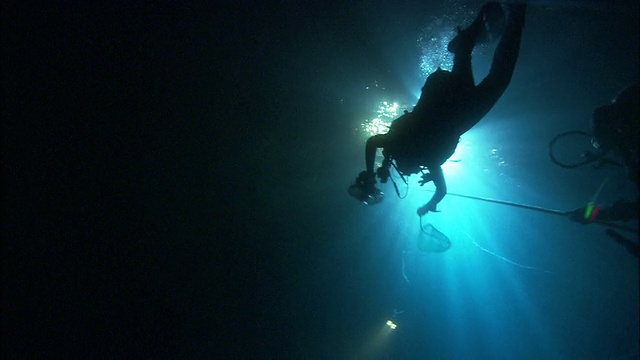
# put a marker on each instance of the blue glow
(457, 285)
(514, 283)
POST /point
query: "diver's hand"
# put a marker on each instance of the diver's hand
(366, 178)
(426, 178)
(426, 208)
(577, 215)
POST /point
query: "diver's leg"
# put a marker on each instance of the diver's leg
(462, 71)
(491, 88)
(364, 188)
(462, 45)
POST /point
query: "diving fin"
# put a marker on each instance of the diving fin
(488, 26)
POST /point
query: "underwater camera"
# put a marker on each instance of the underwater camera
(361, 194)
(364, 190)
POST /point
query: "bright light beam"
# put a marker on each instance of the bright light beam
(379, 123)
(379, 343)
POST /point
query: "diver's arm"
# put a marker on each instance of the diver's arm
(437, 176)
(373, 143)
(441, 187)
(619, 211)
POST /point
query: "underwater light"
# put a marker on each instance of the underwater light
(391, 325)
(382, 117)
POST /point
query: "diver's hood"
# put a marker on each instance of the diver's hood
(438, 80)
(629, 95)
(616, 124)
(437, 86)
(603, 126)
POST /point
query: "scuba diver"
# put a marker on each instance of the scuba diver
(616, 135)
(450, 104)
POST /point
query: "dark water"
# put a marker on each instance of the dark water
(175, 187)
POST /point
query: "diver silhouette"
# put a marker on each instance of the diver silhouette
(450, 104)
(616, 134)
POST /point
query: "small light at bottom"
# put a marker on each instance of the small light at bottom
(391, 325)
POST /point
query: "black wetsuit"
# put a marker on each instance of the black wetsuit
(457, 103)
